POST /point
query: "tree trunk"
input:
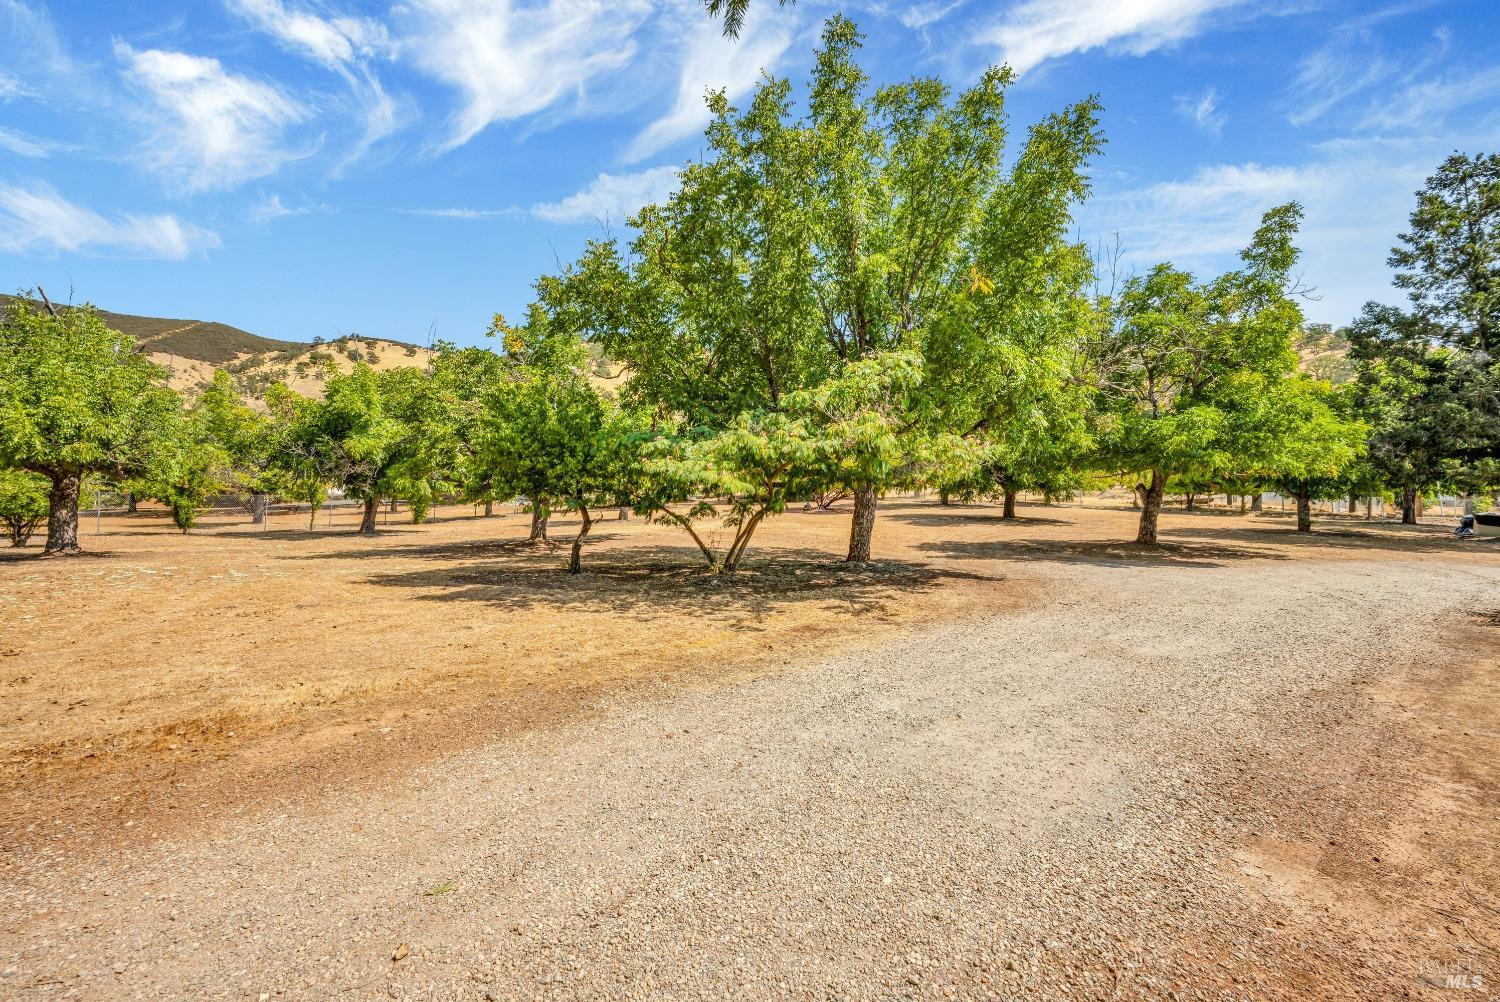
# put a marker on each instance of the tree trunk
(1408, 506)
(1304, 512)
(688, 528)
(1256, 501)
(1138, 496)
(1151, 508)
(1191, 499)
(259, 504)
(367, 523)
(575, 562)
(1369, 508)
(862, 527)
(130, 503)
(1009, 509)
(538, 526)
(944, 499)
(62, 519)
(624, 513)
(392, 508)
(489, 508)
(741, 542)
(1353, 504)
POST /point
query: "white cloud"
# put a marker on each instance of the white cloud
(712, 61)
(511, 212)
(919, 16)
(611, 197)
(32, 48)
(271, 207)
(344, 45)
(334, 42)
(39, 220)
(1203, 111)
(23, 145)
(11, 86)
(1035, 31)
(212, 129)
(1331, 75)
(1422, 102)
(511, 60)
(1356, 194)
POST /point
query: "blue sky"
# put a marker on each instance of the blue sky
(317, 167)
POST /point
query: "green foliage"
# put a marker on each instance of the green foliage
(876, 221)
(23, 504)
(1185, 367)
(1428, 377)
(1450, 259)
(548, 434)
(76, 398)
(1309, 443)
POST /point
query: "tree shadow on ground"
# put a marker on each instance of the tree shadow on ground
(1389, 536)
(1103, 553)
(972, 516)
(650, 582)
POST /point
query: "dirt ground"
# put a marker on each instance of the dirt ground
(1248, 764)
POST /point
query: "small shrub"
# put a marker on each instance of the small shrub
(23, 504)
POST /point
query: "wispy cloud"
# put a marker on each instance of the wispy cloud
(510, 61)
(510, 212)
(1034, 31)
(23, 145)
(611, 197)
(271, 208)
(211, 128)
(1421, 102)
(39, 220)
(32, 48)
(711, 61)
(1356, 193)
(1353, 80)
(1203, 111)
(344, 45)
(922, 15)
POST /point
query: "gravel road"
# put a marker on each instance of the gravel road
(1028, 804)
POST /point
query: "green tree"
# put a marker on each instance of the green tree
(369, 435)
(1310, 443)
(1428, 374)
(806, 244)
(464, 378)
(1449, 261)
(23, 504)
(247, 439)
(76, 398)
(1182, 363)
(193, 469)
(548, 434)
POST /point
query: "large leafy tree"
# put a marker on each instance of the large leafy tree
(805, 244)
(549, 434)
(1182, 364)
(464, 378)
(370, 435)
(1308, 441)
(1429, 374)
(247, 439)
(77, 398)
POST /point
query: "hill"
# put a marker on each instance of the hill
(190, 351)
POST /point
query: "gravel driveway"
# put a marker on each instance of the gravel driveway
(1027, 804)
